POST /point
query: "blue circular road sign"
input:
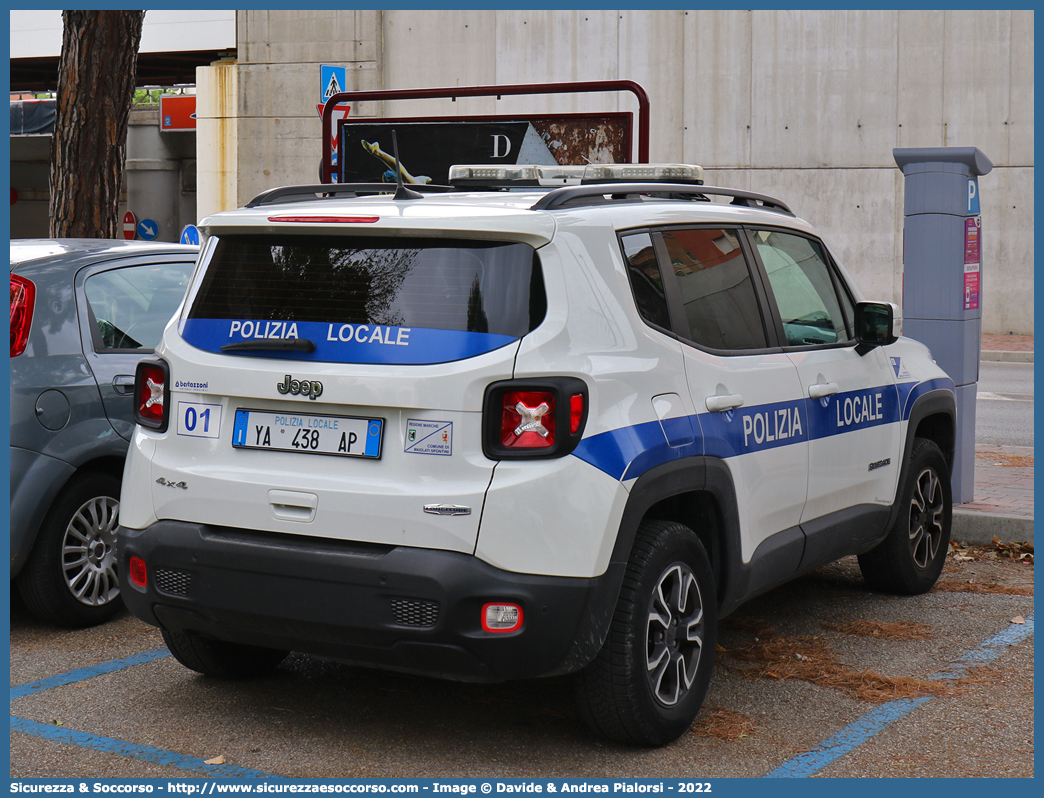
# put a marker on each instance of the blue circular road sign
(190, 235)
(147, 229)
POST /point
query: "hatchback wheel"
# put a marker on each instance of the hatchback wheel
(70, 577)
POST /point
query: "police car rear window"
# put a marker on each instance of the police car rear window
(339, 290)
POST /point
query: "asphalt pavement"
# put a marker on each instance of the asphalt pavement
(1002, 504)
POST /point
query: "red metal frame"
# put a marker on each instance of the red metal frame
(576, 87)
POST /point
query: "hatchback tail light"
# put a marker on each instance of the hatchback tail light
(137, 572)
(540, 417)
(23, 297)
(152, 394)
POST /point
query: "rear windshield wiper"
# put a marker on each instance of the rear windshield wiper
(272, 345)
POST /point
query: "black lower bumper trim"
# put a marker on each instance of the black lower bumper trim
(401, 608)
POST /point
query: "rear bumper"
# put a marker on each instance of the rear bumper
(394, 607)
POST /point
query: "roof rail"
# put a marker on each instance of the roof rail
(317, 190)
(560, 197)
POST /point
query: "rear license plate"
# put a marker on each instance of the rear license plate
(345, 436)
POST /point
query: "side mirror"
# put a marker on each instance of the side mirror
(877, 324)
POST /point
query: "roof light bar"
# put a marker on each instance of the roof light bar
(515, 175)
(518, 176)
(642, 172)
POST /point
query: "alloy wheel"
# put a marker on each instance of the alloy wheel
(674, 638)
(926, 518)
(89, 552)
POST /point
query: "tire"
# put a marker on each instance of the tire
(70, 577)
(647, 683)
(219, 658)
(910, 559)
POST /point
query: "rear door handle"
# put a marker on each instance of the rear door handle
(821, 389)
(716, 404)
(123, 384)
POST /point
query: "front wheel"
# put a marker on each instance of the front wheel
(649, 679)
(911, 558)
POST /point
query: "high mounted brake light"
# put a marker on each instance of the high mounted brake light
(325, 219)
(23, 297)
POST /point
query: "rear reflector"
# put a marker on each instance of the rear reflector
(136, 572)
(23, 296)
(501, 617)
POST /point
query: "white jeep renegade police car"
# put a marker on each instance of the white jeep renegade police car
(492, 433)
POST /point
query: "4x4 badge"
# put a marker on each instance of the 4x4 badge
(313, 389)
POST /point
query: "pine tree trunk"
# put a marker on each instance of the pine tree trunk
(88, 148)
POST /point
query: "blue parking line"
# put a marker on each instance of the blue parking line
(31, 688)
(879, 719)
(60, 734)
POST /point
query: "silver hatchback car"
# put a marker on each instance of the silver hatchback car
(83, 312)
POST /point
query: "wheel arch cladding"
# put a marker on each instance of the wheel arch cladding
(698, 493)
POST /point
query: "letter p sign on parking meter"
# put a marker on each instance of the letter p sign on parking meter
(973, 197)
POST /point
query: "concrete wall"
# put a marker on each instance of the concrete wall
(804, 105)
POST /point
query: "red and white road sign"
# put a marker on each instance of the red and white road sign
(344, 109)
(130, 225)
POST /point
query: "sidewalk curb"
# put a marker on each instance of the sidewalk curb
(1006, 356)
(972, 526)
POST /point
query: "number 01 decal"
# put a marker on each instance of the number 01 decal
(199, 420)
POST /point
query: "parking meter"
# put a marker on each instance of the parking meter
(943, 277)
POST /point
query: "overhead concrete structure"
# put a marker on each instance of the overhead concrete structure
(806, 105)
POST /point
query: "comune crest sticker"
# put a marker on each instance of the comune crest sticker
(429, 437)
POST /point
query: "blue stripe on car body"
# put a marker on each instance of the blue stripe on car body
(345, 343)
(628, 452)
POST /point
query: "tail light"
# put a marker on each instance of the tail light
(152, 394)
(533, 418)
(23, 297)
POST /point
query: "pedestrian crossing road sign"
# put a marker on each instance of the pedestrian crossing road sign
(332, 80)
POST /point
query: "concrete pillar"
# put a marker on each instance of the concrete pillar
(217, 138)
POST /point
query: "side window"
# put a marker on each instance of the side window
(716, 290)
(800, 281)
(131, 306)
(646, 280)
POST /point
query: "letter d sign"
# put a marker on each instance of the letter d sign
(496, 145)
(973, 197)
